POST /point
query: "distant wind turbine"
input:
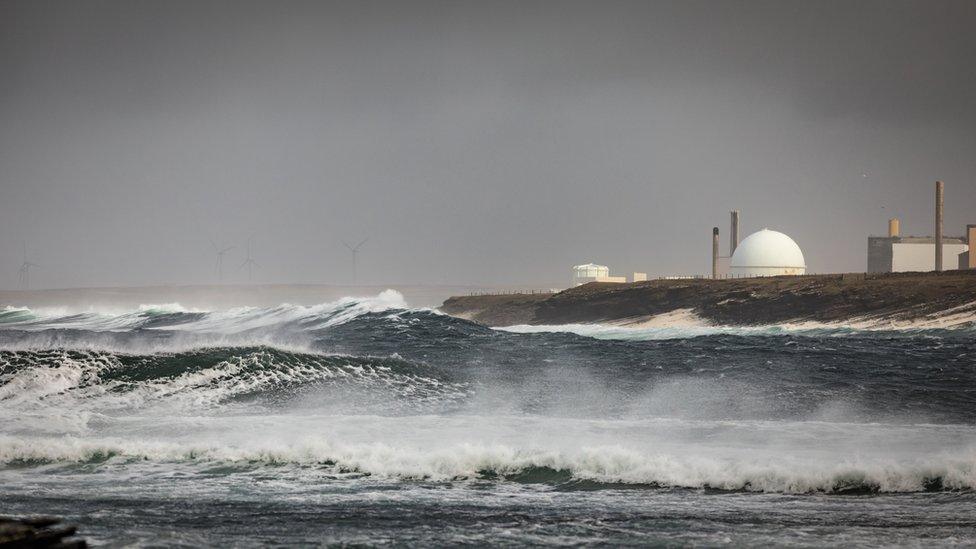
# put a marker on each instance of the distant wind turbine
(25, 268)
(249, 262)
(220, 251)
(354, 250)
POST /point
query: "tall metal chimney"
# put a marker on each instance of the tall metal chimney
(893, 227)
(714, 252)
(734, 233)
(939, 191)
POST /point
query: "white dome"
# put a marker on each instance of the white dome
(767, 253)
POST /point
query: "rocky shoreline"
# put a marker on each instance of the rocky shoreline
(47, 532)
(836, 298)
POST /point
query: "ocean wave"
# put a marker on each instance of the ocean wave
(40, 381)
(327, 388)
(310, 318)
(173, 316)
(15, 315)
(632, 333)
(685, 323)
(661, 331)
(173, 327)
(588, 467)
(159, 328)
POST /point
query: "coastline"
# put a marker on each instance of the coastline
(946, 299)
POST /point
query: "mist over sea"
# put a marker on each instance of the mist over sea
(368, 420)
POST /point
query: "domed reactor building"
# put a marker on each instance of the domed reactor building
(767, 253)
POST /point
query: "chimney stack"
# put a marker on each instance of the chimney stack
(971, 240)
(939, 191)
(734, 233)
(714, 252)
(893, 227)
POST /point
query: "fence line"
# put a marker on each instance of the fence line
(726, 276)
(511, 292)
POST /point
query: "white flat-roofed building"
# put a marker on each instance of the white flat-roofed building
(591, 272)
(899, 254)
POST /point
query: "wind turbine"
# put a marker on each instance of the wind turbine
(354, 250)
(220, 251)
(249, 262)
(25, 268)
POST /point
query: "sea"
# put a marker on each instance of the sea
(365, 421)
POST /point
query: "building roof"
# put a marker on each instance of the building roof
(768, 248)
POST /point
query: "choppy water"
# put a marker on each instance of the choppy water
(364, 421)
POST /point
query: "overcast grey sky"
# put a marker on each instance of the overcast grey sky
(481, 142)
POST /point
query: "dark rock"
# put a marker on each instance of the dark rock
(31, 532)
(747, 301)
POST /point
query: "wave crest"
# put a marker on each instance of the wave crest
(605, 467)
(173, 316)
(203, 379)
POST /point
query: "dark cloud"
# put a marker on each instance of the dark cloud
(491, 142)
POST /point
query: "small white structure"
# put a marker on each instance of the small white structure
(591, 272)
(767, 253)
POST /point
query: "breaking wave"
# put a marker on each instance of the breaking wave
(210, 380)
(170, 326)
(174, 316)
(663, 332)
(370, 389)
(583, 467)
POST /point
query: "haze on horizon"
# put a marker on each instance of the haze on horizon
(473, 142)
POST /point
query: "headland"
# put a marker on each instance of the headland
(930, 299)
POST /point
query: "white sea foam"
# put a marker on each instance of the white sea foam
(684, 323)
(286, 325)
(66, 408)
(650, 333)
(795, 457)
(227, 321)
(315, 316)
(89, 383)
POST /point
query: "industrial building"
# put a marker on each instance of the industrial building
(898, 254)
(895, 253)
(767, 253)
(764, 253)
(592, 272)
